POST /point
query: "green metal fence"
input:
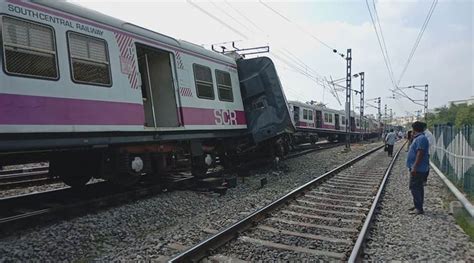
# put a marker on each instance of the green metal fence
(453, 154)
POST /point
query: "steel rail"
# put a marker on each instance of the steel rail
(358, 246)
(209, 245)
(24, 172)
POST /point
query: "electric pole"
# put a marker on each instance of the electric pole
(391, 116)
(385, 118)
(426, 103)
(418, 114)
(379, 101)
(362, 74)
(348, 97)
(379, 108)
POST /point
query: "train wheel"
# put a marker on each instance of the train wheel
(279, 149)
(198, 167)
(76, 181)
(131, 171)
(74, 170)
(125, 179)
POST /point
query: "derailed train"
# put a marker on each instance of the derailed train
(99, 97)
(314, 121)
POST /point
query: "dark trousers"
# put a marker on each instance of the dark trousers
(417, 189)
(390, 149)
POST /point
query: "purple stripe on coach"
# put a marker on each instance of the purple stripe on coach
(37, 110)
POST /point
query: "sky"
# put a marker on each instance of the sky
(302, 34)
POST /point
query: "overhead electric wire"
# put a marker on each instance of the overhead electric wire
(244, 16)
(217, 19)
(229, 15)
(381, 47)
(299, 70)
(299, 64)
(383, 40)
(298, 26)
(418, 39)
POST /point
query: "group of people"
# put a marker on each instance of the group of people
(418, 160)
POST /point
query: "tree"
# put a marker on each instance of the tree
(465, 115)
(458, 115)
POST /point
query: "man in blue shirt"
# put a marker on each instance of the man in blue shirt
(418, 164)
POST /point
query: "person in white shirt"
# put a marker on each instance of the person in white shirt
(390, 141)
(431, 141)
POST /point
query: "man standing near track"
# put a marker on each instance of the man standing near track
(418, 164)
(390, 141)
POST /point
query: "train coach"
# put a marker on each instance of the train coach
(315, 121)
(98, 97)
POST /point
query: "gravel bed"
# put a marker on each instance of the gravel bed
(309, 230)
(325, 212)
(432, 237)
(256, 253)
(315, 221)
(334, 201)
(353, 191)
(162, 225)
(323, 206)
(298, 241)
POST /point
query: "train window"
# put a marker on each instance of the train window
(326, 117)
(29, 49)
(343, 120)
(204, 84)
(224, 86)
(89, 60)
(310, 115)
(305, 114)
(330, 117)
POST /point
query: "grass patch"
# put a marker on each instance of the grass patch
(464, 220)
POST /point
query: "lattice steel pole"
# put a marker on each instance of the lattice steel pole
(361, 99)
(348, 96)
(379, 107)
(426, 102)
(391, 116)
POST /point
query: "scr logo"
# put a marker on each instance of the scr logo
(225, 117)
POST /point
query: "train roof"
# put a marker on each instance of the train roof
(96, 16)
(302, 104)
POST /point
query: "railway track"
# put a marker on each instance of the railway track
(30, 209)
(324, 219)
(25, 177)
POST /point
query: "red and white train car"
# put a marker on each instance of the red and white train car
(76, 81)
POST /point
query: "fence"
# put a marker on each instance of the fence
(453, 154)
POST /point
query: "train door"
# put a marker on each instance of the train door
(336, 118)
(296, 114)
(158, 90)
(319, 119)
